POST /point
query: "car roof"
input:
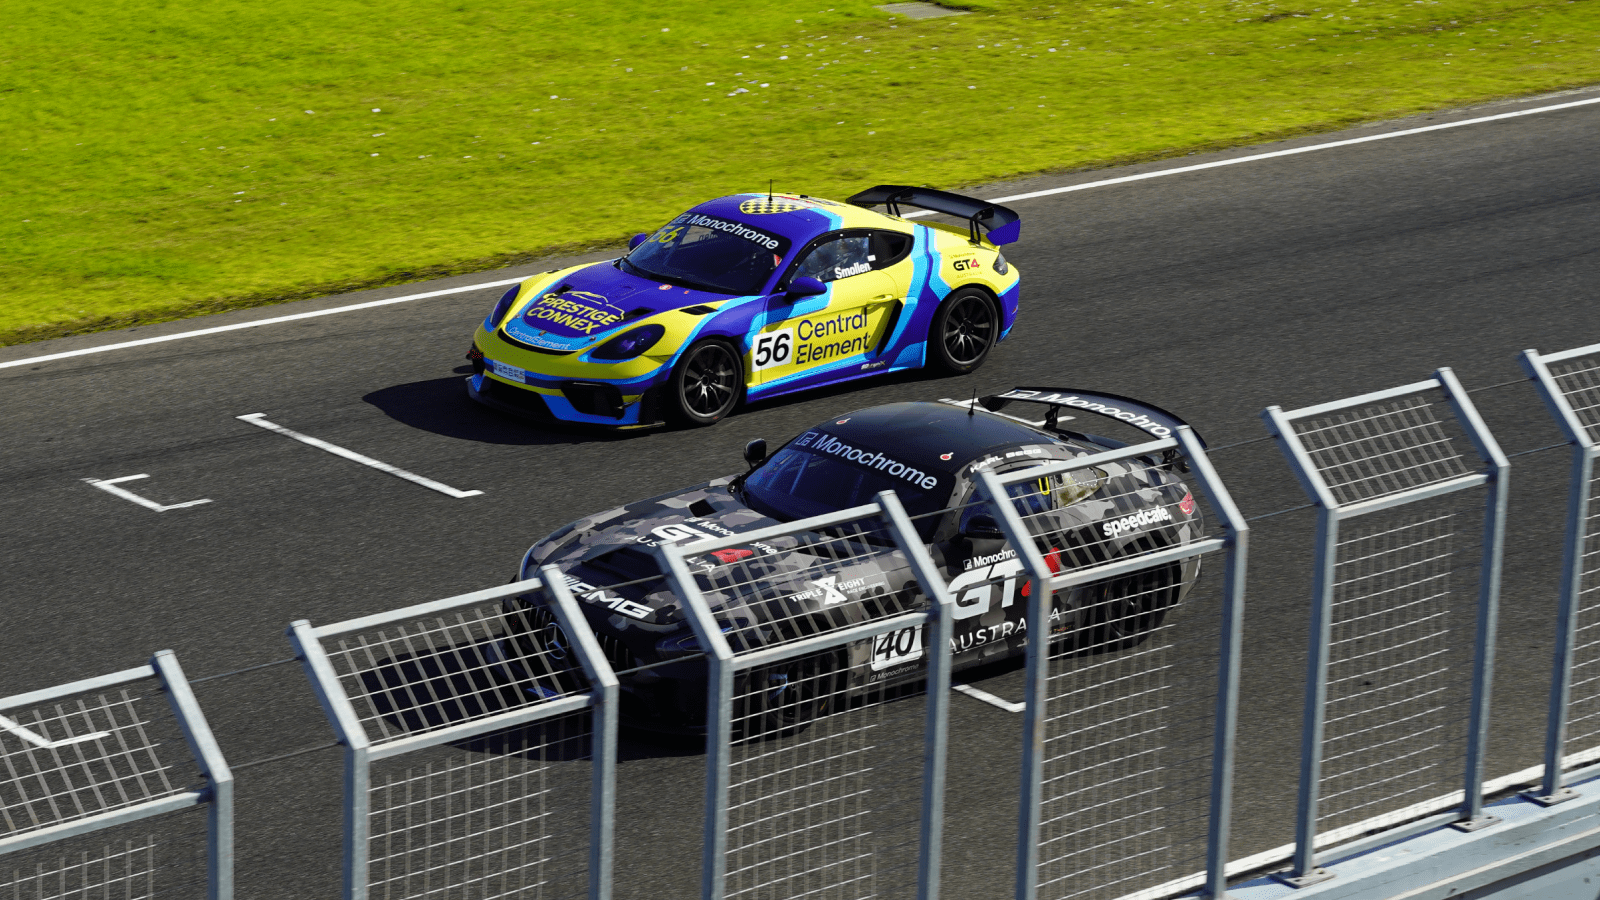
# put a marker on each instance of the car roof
(932, 436)
(796, 216)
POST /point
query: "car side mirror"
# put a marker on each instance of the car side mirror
(804, 286)
(755, 452)
(982, 527)
(637, 239)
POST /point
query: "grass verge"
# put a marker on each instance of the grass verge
(160, 160)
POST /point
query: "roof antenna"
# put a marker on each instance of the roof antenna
(972, 408)
(769, 190)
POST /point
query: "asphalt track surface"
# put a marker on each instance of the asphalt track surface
(1216, 293)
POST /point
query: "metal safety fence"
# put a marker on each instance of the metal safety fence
(810, 790)
(465, 736)
(1569, 384)
(480, 733)
(96, 778)
(1385, 687)
(1132, 674)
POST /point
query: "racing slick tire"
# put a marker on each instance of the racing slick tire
(1122, 612)
(965, 327)
(785, 697)
(706, 384)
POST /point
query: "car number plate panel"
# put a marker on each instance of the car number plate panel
(509, 373)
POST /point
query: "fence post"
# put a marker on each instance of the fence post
(1237, 536)
(357, 772)
(1494, 529)
(1305, 869)
(1552, 787)
(935, 743)
(603, 738)
(203, 744)
(719, 723)
(1038, 672)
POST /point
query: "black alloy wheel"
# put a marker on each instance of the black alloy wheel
(706, 384)
(785, 697)
(964, 329)
(1121, 612)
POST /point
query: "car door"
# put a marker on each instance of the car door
(839, 330)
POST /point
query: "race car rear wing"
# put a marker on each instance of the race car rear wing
(1152, 420)
(1003, 224)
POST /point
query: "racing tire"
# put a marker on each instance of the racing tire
(964, 329)
(706, 384)
(786, 697)
(1121, 612)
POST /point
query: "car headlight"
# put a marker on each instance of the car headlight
(502, 307)
(1001, 267)
(630, 343)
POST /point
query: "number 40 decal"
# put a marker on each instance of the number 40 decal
(773, 348)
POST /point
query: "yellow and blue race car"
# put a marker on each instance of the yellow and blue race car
(752, 296)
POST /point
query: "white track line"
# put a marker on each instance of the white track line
(1011, 199)
(989, 698)
(1290, 152)
(259, 419)
(273, 321)
(109, 486)
(34, 739)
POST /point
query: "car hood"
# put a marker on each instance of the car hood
(610, 561)
(584, 307)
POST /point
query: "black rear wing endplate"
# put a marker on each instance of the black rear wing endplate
(1152, 420)
(1003, 224)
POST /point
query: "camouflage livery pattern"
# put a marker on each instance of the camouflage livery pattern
(809, 581)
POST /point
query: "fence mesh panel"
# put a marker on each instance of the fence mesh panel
(1398, 660)
(1132, 680)
(412, 677)
(497, 820)
(1127, 744)
(1579, 382)
(824, 789)
(1583, 710)
(1381, 449)
(84, 755)
(163, 857)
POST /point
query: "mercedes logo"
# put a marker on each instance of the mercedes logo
(555, 641)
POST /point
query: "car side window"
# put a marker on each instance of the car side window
(836, 258)
(888, 248)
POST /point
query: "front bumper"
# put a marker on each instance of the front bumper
(575, 392)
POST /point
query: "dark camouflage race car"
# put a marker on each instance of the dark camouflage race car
(929, 454)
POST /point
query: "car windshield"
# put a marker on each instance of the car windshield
(819, 473)
(709, 253)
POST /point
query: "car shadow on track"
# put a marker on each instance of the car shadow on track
(449, 684)
(441, 405)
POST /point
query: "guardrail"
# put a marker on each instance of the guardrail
(480, 733)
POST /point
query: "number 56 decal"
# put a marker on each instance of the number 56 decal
(773, 348)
